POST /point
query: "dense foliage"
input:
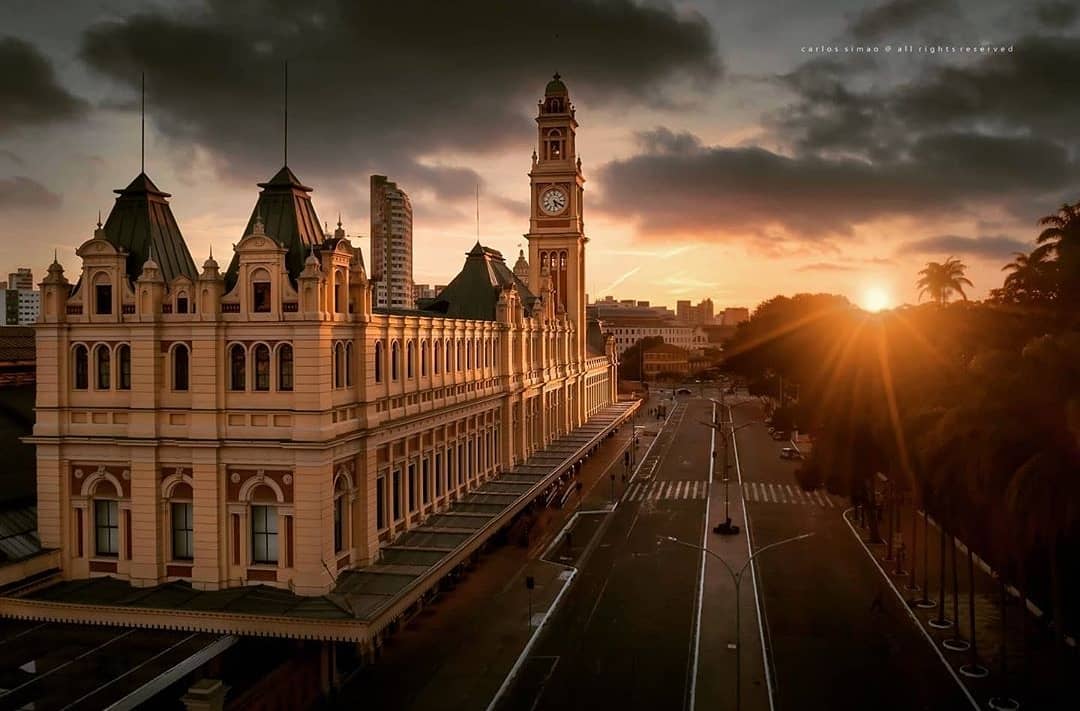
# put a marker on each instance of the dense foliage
(974, 408)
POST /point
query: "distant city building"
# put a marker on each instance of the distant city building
(628, 331)
(426, 291)
(22, 278)
(391, 245)
(610, 307)
(733, 316)
(665, 358)
(19, 307)
(700, 314)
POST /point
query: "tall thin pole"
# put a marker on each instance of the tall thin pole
(142, 121)
(285, 112)
(478, 212)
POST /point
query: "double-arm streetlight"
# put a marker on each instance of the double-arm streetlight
(726, 527)
(736, 579)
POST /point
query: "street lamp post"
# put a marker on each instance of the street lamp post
(726, 527)
(736, 579)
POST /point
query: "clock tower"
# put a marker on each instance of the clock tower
(556, 228)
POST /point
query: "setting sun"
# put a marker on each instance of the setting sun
(876, 299)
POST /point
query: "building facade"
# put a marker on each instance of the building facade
(20, 307)
(271, 424)
(628, 331)
(391, 245)
(665, 359)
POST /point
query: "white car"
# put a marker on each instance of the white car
(790, 453)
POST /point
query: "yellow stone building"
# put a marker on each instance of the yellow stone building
(266, 426)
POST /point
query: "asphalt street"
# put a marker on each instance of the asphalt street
(831, 646)
(624, 634)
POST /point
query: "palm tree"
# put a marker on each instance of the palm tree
(1032, 278)
(1059, 244)
(940, 280)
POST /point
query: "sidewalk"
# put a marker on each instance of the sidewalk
(1029, 675)
(456, 652)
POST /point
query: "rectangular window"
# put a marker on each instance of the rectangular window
(460, 463)
(181, 305)
(412, 488)
(103, 299)
(261, 294)
(425, 480)
(264, 534)
(438, 474)
(107, 528)
(183, 532)
(395, 495)
(380, 503)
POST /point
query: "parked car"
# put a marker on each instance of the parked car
(790, 453)
(779, 434)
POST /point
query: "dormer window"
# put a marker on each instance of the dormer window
(260, 292)
(102, 296)
(182, 303)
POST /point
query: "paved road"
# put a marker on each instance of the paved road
(623, 636)
(831, 646)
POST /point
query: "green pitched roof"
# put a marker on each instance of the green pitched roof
(141, 218)
(289, 217)
(474, 292)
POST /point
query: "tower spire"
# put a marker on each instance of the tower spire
(478, 213)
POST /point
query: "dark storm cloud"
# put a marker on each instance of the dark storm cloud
(29, 92)
(979, 247)
(22, 193)
(374, 86)
(715, 190)
(895, 16)
(1057, 14)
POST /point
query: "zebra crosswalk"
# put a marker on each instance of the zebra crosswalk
(667, 490)
(760, 492)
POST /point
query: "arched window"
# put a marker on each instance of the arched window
(459, 357)
(81, 367)
(348, 364)
(106, 520)
(285, 367)
(339, 291)
(394, 360)
(554, 144)
(378, 361)
(410, 357)
(260, 291)
(262, 367)
(237, 367)
(435, 362)
(423, 358)
(123, 367)
(468, 354)
(180, 367)
(182, 522)
(264, 527)
(338, 365)
(449, 356)
(102, 360)
(341, 514)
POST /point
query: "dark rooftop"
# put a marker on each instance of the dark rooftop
(474, 292)
(141, 219)
(289, 217)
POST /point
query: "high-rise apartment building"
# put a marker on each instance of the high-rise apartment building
(391, 244)
(22, 278)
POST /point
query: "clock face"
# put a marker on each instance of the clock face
(553, 201)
